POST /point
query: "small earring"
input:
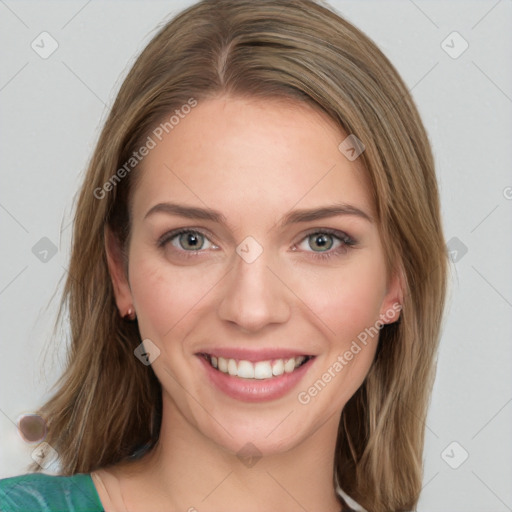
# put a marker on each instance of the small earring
(130, 314)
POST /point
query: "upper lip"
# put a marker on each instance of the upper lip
(253, 355)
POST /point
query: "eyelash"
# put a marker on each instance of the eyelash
(347, 242)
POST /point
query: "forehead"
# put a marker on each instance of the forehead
(251, 155)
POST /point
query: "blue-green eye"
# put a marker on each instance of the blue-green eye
(321, 241)
(187, 240)
(190, 241)
(326, 243)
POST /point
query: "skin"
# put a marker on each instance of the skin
(254, 161)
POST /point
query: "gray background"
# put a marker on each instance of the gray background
(51, 113)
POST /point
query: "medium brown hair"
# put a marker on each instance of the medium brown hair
(107, 404)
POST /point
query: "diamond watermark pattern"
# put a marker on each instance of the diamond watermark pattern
(249, 249)
(146, 352)
(249, 455)
(351, 147)
(456, 249)
(454, 45)
(44, 250)
(44, 45)
(44, 455)
(454, 455)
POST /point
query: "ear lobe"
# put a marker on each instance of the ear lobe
(117, 272)
(394, 299)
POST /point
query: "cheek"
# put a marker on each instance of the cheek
(348, 299)
(347, 309)
(164, 297)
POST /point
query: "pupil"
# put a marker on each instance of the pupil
(190, 240)
(322, 241)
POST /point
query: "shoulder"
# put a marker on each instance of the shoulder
(48, 493)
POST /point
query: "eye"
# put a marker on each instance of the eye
(321, 241)
(326, 243)
(187, 240)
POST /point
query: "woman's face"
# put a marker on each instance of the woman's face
(236, 260)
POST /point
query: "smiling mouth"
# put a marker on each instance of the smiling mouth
(256, 370)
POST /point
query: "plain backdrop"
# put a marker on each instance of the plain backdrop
(52, 108)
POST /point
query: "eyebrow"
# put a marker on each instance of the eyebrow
(294, 217)
(306, 215)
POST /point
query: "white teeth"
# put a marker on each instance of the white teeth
(262, 370)
(278, 367)
(246, 370)
(223, 364)
(259, 370)
(289, 366)
(232, 367)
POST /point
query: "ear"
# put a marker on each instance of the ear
(117, 272)
(394, 298)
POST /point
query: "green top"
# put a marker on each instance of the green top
(36, 492)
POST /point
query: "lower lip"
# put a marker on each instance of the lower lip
(255, 390)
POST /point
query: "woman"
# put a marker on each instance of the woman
(257, 278)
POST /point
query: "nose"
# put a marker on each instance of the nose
(254, 296)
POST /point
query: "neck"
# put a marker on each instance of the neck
(189, 471)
